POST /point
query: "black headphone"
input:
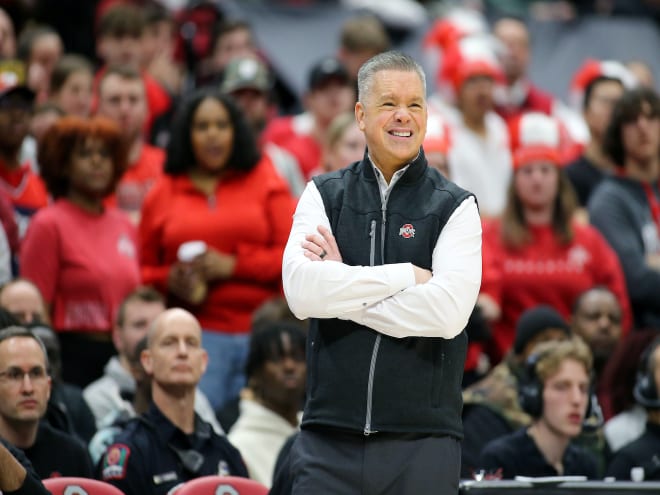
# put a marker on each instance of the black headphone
(530, 395)
(646, 391)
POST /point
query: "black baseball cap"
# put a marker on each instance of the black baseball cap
(325, 70)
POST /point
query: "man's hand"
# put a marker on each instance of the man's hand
(321, 246)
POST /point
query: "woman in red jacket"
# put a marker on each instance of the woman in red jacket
(537, 253)
(217, 190)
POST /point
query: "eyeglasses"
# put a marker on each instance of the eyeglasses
(16, 376)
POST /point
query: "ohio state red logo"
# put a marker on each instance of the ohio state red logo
(407, 231)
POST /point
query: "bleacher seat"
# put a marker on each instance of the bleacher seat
(79, 486)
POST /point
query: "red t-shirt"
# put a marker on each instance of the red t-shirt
(249, 216)
(138, 179)
(83, 264)
(547, 272)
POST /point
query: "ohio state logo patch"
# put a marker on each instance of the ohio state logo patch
(407, 231)
(115, 462)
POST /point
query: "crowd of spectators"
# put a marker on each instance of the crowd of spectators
(150, 165)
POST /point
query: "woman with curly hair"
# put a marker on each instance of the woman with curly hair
(217, 191)
(81, 255)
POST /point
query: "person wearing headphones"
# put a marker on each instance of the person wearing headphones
(556, 393)
(642, 456)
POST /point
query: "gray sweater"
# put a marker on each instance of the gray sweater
(619, 209)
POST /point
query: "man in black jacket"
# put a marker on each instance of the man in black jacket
(385, 256)
(24, 391)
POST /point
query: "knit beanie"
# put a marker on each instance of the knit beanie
(534, 321)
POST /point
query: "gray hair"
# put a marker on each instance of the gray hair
(392, 60)
(22, 332)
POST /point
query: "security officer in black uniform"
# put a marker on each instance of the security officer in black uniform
(170, 444)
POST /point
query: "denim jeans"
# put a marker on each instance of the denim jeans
(225, 373)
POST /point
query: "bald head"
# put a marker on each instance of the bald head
(169, 319)
(23, 300)
(174, 356)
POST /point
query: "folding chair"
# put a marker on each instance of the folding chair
(79, 486)
(221, 485)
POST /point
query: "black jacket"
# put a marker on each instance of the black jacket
(643, 452)
(152, 455)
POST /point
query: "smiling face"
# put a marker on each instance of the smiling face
(393, 118)
(211, 135)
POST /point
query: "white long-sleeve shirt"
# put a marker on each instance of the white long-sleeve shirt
(385, 297)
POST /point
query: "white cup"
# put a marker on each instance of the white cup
(637, 473)
(187, 253)
(190, 250)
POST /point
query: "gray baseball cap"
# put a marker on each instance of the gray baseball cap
(245, 73)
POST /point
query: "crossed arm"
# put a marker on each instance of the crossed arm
(15, 478)
(400, 299)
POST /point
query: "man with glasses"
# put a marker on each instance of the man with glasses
(24, 392)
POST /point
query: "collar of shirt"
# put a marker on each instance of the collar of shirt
(383, 186)
(171, 433)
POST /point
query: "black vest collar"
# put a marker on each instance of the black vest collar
(413, 174)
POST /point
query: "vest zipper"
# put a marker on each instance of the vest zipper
(370, 388)
(372, 366)
(374, 354)
(372, 235)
